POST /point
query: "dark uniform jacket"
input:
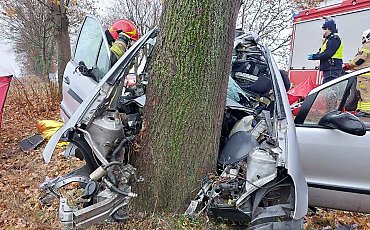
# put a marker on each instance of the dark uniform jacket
(327, 61)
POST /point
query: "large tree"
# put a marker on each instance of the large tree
(186, 100)
(62, 11)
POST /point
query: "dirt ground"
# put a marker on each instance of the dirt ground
(21, 173)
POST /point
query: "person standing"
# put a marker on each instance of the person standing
(331, 52)
(360, 61)
(362, 58)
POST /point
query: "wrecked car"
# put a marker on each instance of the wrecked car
(256, 181)
(100, 131)
(259, 178)
(101, 126)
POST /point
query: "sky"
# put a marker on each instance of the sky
(8, 64)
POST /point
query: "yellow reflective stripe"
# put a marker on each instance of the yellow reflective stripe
(131, 32)
(363, 105)
(116, 50)
(338, 54)
(365, 50)
(323, 47)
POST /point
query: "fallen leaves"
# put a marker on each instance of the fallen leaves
(22, 173)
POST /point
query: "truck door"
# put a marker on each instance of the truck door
(92, 48)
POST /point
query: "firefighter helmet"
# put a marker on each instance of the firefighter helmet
(366, 36)
(126, 26)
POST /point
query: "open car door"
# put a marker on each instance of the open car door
(92, 49)
(335, 163)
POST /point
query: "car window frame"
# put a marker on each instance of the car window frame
(311, 98)
(104, 40)
(108, 61)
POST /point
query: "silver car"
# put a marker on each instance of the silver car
(334, 157)
(330, 146)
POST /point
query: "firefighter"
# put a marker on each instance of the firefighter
(121, 36)
(331, 52)
(360, 61)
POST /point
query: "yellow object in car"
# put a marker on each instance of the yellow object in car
(47, 128)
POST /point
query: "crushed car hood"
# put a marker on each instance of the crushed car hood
(86, 111)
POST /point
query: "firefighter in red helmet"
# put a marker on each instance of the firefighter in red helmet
(120, 36)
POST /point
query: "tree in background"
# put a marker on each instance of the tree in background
(144, 13)
(185, 100)
(40, 31)
(62, 13)
(27, 26)
(272, 21)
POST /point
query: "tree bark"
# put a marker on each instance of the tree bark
(61, 21)
(185, 101)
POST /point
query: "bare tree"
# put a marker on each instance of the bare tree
(61, 13)
(144, 13)
(272, 21)
(40, 31)
(27, 25)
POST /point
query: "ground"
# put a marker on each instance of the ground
(21, 173)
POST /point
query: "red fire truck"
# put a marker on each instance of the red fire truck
(352, 18)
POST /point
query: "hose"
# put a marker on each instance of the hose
(119, 147)
(110, 164)
(117, 190)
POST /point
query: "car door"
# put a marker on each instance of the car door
(92, 48)
(334, 163)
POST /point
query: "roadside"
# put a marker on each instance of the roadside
(21, 173)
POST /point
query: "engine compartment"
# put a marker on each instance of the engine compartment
(251, 185)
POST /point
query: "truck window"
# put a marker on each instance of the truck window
(308, 37)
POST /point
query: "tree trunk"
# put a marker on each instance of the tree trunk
(185, 101)
(62, 39)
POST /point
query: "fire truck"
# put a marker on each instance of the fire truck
(352, 18)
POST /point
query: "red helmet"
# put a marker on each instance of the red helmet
(126, 26)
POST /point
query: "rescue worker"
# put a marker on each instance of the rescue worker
(121, 36)
(360, 61)
(331, 52)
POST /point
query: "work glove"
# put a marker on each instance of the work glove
(346, 66)
(310, 57)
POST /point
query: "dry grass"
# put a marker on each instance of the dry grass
(30, 100)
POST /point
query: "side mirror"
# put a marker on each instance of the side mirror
(344, 122)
